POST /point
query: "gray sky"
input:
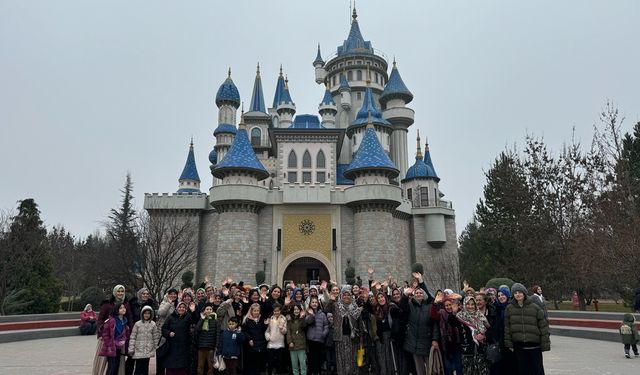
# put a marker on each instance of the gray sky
(90, 90)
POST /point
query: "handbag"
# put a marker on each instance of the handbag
(493, 353)
(360, 356)
(435, 365)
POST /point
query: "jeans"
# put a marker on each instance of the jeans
(453, 362)
(298, 361)
(631, 346)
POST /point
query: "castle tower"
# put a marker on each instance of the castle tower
(277, 96)
(258, 120)
(371, 169)
(394, 99)
(286, 107)
(189, 181)
(369, 114)
(238, 199)
(228, 101)
(328, 110)
(318, 63)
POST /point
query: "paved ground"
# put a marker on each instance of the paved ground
(74, 355)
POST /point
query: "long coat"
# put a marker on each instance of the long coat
(107, 333)
(421, 329)
(180, 344)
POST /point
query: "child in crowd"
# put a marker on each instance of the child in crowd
(143, 342)
(276, 329)
(629, 334)
(115, 333)
(297, 340)
(230, 345)
(207, 337)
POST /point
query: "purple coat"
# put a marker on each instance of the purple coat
(108, 332)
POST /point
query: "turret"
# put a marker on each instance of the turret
(318, 63)
(369, 113)
(345, 93)
(371, 164)
(257, 119)
(421, 181)
(328, 110)
(240, 164)
(286, 107)
(228, 101)
(189, 181)
(394, 99)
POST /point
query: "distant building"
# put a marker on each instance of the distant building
(300, 195)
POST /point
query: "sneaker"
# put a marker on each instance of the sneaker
(636, 355)
(627, 355)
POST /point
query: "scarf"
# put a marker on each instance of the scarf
(474, 320)
(115, 289)
(120, 324)
(139, 294)
(352, 312)
(205, 324)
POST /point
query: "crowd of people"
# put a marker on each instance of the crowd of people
(383, 328)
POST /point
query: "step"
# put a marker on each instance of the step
(37, 334)
(586, 333)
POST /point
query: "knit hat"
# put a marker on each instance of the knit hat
(345, 289)
(517, 287)
(505, 291)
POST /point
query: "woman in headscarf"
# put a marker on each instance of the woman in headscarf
(450, 334)
(474, 340)
(347, 322)
(167, 307)
(507, 364)
(118, 296)
(88, 320)
(385, 313)
(177, 330)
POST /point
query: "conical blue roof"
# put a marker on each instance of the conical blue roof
(286, 95)
(228, 93)
(344, 84)
(395, 88)
(257, 98)
(213, 157)
(240, 157)
(355, 43)
(371, 157)
(318, 59)
(328, 98)
(190, 172)
(369, 107)
(224, 128)
(277, 97)
(422, 168)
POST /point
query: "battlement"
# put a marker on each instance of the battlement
(175, 201)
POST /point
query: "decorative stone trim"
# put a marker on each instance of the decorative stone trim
(373, 206)
(238, 206)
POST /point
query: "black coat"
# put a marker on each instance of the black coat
(421, 329)
(255, 331)
(137, 305)
(180, 344)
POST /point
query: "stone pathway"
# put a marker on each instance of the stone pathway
(74, 355)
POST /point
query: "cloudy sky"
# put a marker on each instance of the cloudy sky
(91, 90)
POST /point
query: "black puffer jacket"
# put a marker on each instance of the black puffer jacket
(254, 331)
(207, 339)
(526, 325)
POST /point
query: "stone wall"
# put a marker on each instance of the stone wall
(236, 254)
(346, 250)
(208, 246)
(373, 242)
(400, 258)
(441, 264)
(265, 244)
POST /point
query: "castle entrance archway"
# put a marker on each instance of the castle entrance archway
(305, 270)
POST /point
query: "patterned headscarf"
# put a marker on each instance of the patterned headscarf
(473, 319)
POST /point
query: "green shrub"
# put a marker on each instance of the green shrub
(496, 282)
(417, 267)
(92, 295)
(260, 277)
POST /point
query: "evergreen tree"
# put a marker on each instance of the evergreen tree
(123, 237)
(30, 283)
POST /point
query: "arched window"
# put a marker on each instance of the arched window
(350, 76)
(376, 75)
(333, 81)
(293, 160)
(256, 135)
(306, 160)
(320, 160)
(359, 75)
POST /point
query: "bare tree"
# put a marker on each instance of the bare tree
(168, 248)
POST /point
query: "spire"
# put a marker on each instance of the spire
(369, 108)
(241, 125)
(418, 151)
(429, 163)
(328, 98)
(286, 95)
(257, 98)
(395, 87)
(277, 97)
(355, 43)
(318, 60)
(189, 179)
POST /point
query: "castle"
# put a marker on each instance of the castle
(300, 196)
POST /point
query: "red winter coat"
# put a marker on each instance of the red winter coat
(86, 316)
(108, 332)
